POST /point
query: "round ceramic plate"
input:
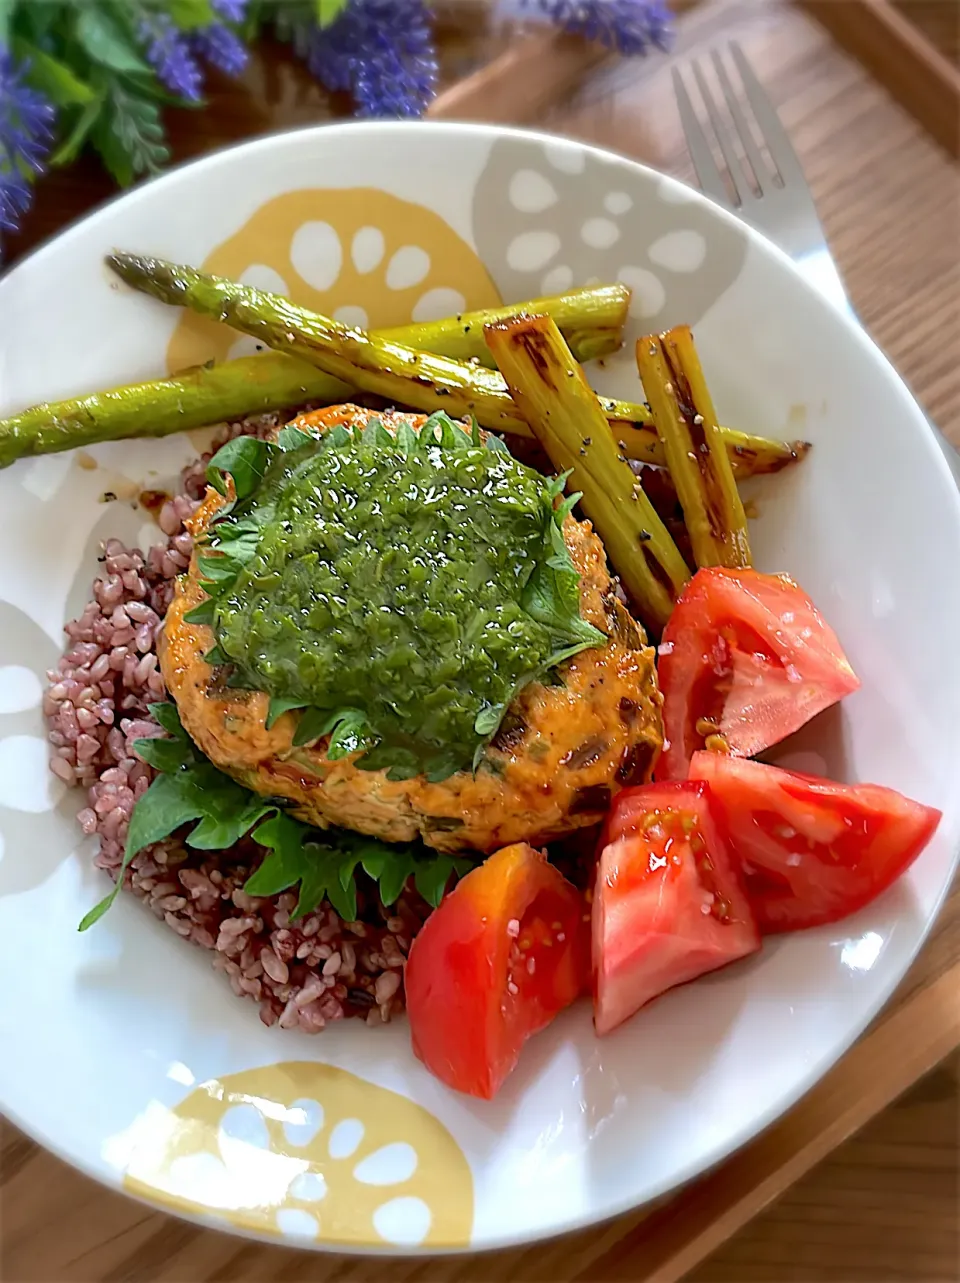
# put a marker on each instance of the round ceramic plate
(125, 1052)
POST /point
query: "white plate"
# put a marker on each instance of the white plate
(109, 1035)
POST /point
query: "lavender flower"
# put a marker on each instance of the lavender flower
(168, 50)
(628, 26)
(230, 10)
(220, 46)
(382, 51)
(26, 120)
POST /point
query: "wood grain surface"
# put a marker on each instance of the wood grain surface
(883, 1205)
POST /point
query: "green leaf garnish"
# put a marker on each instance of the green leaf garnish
(245, 460)
(202, 614)
(215, 656)
(314, 723)
(337, 436)
(278, 707)
(375, 434)
(495, 445)
(431, 878)
(488, 719)
(167, 715)
(322, 862)
(163, 754)
(293, 438)
(406, 438)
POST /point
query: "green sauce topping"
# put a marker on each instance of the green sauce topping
(400, 590)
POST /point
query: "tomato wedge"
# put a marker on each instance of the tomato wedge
(506, 951)
(812, 851)
(668, 902)
(746, 657)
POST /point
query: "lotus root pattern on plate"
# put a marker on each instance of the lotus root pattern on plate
(558, 216)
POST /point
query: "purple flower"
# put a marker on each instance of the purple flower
(231, 10)
(168, 50)
(26, 120)
(380, 50)
(628, 26)
(221, 47)
(15, 198)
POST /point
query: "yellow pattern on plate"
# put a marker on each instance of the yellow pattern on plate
(307, 1151)
(360, 255)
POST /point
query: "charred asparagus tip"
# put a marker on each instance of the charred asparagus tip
(123, 263)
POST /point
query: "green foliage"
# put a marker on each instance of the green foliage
(54, 79)
(128, 134)
(328, 11)
(89, 59)
(105, 41)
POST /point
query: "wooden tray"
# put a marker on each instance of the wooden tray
(875, 173)
(912, 48)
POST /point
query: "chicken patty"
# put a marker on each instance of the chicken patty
(560, 754)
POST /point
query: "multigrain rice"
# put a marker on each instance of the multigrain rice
(302, 974)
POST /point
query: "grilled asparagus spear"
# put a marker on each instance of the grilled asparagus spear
(424, 381)
(373, 363)
(750, 455)
(593, 318)
(556, 399)
(686, 423)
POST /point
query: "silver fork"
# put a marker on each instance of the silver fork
(777, 202)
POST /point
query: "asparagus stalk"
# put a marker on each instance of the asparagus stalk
(696, 454)
(276, 381)
(750, 455)
(206, 394)
(370, 362)
(428, 382)
(591, 319)
(557, 401)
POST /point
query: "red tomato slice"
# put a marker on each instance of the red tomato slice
(503, 954)
(668, 903)
(747, 657)
(812, 851)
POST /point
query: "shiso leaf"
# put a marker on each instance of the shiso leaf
(488, 719)
(349, 734)
(163, 754)
(406, 438)
(431, 878)
(166, 715)
(375, 434)
(495, 445)
(293, 438)
(347, 728)
(245, 460)
(278, 707)
(313, 724)
(322, 862)
(202, 614)
(338, 436)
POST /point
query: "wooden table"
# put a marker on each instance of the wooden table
(884, 1205)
